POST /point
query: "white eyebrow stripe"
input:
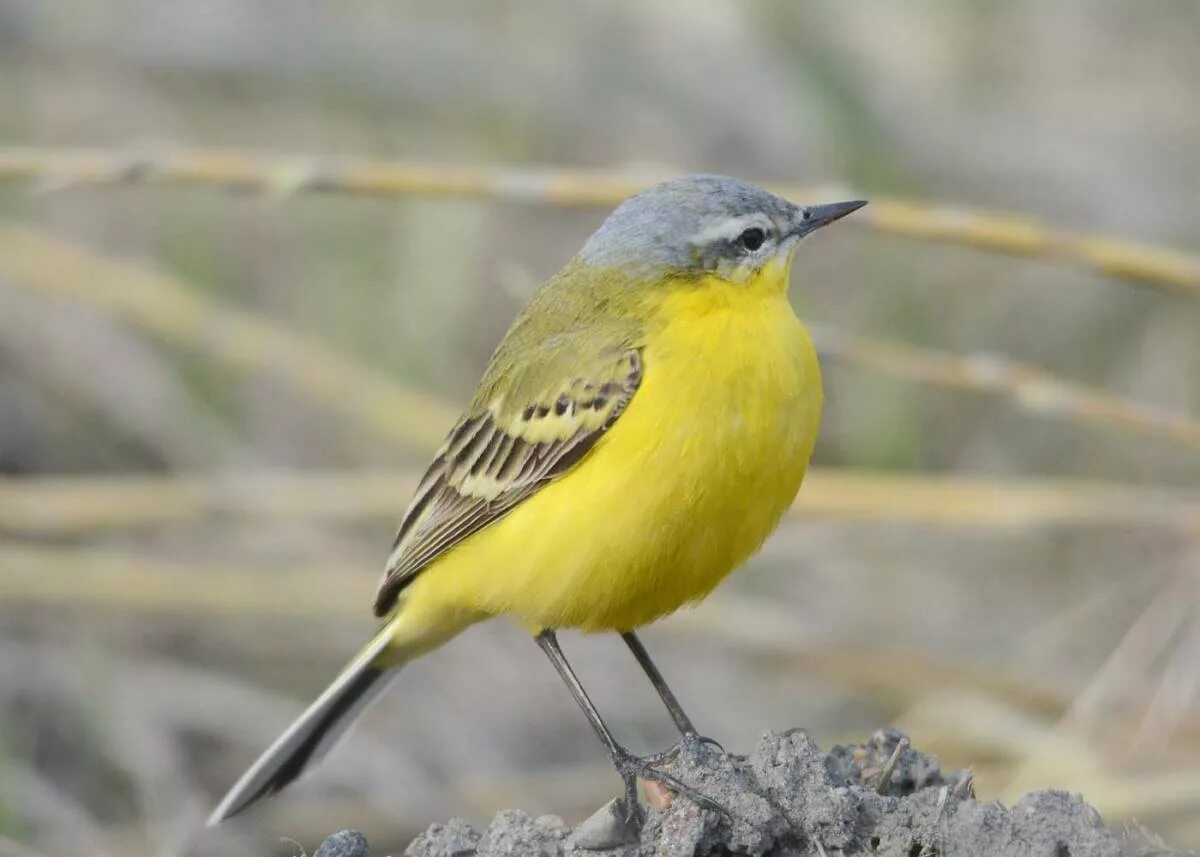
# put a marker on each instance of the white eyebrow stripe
(733, 227)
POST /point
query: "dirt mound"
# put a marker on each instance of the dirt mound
(789, 798)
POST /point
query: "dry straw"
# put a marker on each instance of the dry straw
(1018, 235)
(236, 339)
(75, 505)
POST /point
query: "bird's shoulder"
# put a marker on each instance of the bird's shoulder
(577, 325)
(560, 378)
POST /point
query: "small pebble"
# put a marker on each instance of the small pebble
(344, 843)
(605, 829)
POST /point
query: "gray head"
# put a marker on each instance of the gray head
(705, 224)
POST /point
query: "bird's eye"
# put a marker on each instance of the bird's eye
(752, 238)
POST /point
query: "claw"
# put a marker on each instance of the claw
(696, 740)
(632, 814)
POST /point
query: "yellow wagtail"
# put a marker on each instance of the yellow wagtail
(639, 432)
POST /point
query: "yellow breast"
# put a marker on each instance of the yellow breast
(686, 485)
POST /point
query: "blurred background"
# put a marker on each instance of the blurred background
(218, 386)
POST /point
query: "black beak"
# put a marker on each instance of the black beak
(813, 217)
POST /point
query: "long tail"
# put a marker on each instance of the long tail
(316, 730)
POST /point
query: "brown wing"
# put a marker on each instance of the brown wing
(500, 454)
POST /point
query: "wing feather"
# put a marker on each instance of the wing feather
(499, 455)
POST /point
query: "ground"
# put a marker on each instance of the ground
(787, 797)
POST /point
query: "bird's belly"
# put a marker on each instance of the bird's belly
(686, 485)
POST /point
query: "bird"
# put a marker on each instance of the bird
(637, 434)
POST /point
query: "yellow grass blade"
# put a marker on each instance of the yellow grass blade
(1012, 234)
(68, 506)
(1028, 387)
(237, 339)
(96, 582)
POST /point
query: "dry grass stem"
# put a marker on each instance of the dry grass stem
(885, 774)
(74, 505)
(122, 583)
(286, 174)
(1028, 387)
(1120, 681)
(231, 337)
(1176, 694)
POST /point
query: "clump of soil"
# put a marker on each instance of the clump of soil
(788, 798)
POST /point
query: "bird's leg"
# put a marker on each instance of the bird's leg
(682, 721)
(629, 766)
(691, 738)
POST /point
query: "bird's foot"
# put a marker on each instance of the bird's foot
(690, 744)
(631, 767)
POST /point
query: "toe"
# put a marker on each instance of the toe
(694, 740)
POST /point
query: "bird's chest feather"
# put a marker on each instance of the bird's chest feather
(732, 394)
(716, 442)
